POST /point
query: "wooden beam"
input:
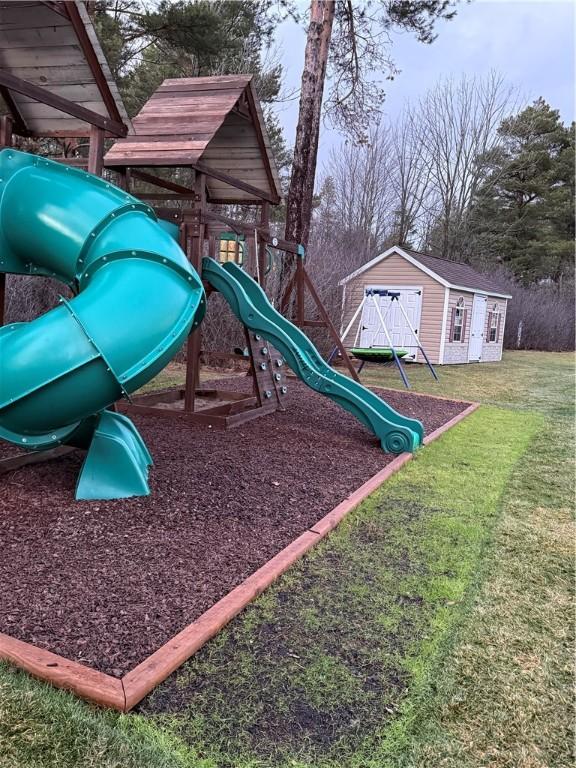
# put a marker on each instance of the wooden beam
(326, 317)
(261, 242)
(282, 245)
(95, 686)
(124, 179)
(175, 215)
(185, 161)
(260, 137)
(236, 183)
(165, 195)
(150, 178)
(20, 126)
(232, 201)
(45, 96)
(299, 283)
(33, 457)
(146, 676)
(96, 151)
(67, 134)
(75, 162)
(56, 6)
(92, 59)
(238, 226)
(193, 246)
(6, 127)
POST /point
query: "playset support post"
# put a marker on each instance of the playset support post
(6, 126)
(299, 282)
(194, 241)
(96, 150)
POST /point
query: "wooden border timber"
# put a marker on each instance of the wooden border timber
(237, 407)
(88, 683)
(125, 693)
(157, 667)
(10, 463)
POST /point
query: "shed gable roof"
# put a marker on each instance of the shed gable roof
(451, 274)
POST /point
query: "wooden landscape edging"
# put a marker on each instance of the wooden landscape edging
(88, 683)
(123, 694)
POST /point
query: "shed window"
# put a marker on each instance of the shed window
(458, 324)
(494, 324)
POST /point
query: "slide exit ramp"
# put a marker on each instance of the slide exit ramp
(250, 304)
(136, 298)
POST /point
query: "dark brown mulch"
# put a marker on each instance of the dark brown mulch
(107, 583)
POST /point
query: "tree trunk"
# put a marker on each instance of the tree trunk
(299, 202)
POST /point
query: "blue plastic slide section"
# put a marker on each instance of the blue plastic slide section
(136, 298)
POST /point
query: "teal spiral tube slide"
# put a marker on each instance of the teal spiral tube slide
(250, 304)
(136, 298)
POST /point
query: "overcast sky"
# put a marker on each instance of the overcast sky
(530, 42)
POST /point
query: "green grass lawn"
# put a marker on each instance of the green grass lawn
(432, 628)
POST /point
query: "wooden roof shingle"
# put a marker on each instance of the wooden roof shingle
(213, 122)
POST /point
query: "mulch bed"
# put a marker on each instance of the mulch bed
(107, 583)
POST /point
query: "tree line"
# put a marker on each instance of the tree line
(469, 173)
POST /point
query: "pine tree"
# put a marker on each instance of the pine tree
(523, 214)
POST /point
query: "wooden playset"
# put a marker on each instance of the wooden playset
(210, 134)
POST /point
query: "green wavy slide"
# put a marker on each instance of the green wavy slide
(135, 299)
(250, 304)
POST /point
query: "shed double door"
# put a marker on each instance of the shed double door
(373, 334)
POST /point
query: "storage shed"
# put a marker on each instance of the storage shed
(458, 313)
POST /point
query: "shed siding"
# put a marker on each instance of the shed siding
(492, 351)
(396, 271)
(457, 351)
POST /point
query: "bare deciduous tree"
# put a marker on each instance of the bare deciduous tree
(457, 124)
(410, 179)
(363, 194)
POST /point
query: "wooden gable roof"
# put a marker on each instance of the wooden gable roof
(50, 56)
(211, 123)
